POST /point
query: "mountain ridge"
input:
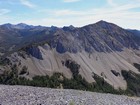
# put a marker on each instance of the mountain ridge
(24, 24)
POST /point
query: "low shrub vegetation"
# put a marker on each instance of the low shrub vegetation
(133, 82)
(58, 80)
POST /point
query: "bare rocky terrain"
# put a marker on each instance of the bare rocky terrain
(25, 95)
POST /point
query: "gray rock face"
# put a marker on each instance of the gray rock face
(16, 36)
(21, 95)
(101, 37)
(136, 32)
(35, 52)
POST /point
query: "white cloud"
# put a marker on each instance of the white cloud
(138, 0)
(62, 12)
(27, 3)
(121, 15)
(111, 3)
(68, 1)
(96, 11)
(4, 11)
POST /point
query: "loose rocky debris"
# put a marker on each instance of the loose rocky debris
(25, 95)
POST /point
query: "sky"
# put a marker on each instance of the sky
(125, 13)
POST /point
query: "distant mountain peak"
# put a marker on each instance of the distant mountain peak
(17, 26)
(68, 28)
(22, 24)
(102, 21)
(7, 24)
(107, 25)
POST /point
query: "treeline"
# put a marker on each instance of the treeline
(58, 80)
(137, 66)
(133, 82)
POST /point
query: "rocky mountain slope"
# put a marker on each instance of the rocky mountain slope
(102, 48)
(21, 95)
(136, 32)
